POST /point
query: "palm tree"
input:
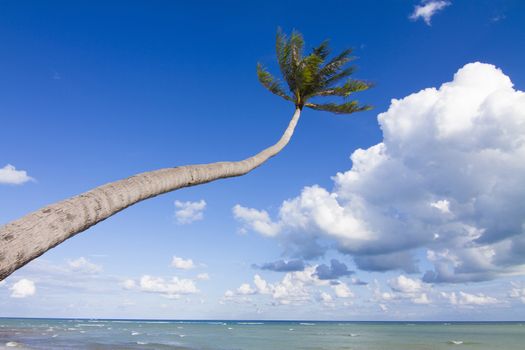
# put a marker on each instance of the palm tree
(307, 77)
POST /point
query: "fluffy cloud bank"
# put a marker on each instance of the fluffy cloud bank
(447, 179)
(295, 288)
(9, 175)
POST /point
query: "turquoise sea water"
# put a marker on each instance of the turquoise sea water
(257, 335)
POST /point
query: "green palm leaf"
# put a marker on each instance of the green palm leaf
(313, 75)
(343, 108)
(272, 84)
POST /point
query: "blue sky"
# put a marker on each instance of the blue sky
(92, 92)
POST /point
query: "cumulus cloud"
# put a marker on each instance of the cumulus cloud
(295, 288)
(10, 176)
(427, 9)
(83, 265)
(257, 220)
(182, 264)
(447, 178)
(467, 299)
(404, 289)
(336, 270)
(342, 291)
(245, 289)
(188, 212)
(405, 284)
(282, 265)
(422, 299)
(173, 288)
(326, 298)
(23, 288)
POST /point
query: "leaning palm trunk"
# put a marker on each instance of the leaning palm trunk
(32, 235)
(307, 77)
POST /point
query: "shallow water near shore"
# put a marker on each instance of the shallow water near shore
(257, 335)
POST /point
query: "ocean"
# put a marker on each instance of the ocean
(258, 335)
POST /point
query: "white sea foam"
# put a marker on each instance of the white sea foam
(307, 324)
(135, 333)
(141, 343)
(12, 344)
(456, 342)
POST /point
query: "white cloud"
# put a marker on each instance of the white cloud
(188, 212)
(261, 285)
(257, 220)
(203, 276)
(295, 288)
(467, 299)
(446, 178)
(379, 295)
(23, 288)
(326, 298)
(427, 9)
(128, 284)
(422, 299)
(442, 205)
(405, 284)
(245, 289)
(83, 265)
(517, 292)
(10, 176)
(182, 264)
(476, 299)
(342, 291)
(173, 288)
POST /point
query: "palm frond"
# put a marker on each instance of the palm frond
(335, 64)
(272, 84)
(344, 108)
(283, 51)
(348, 88)
(312, 75)
(339, 75)
(296, 43)
(322, 50)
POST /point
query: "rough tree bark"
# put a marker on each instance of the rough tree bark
(29, 237)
